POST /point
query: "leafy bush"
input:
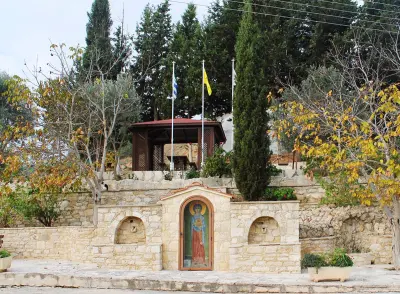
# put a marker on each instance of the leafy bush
(192, 173)
(31, 204)
(8, 215)
(274, 171)
(4, 253)
(313, 260)
(337, 258)
(279, 194)
(219, 164)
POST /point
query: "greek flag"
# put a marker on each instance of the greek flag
(175, 88)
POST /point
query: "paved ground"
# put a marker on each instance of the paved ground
(373, 279)
(46, 290)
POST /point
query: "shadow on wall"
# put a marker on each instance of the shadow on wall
(264, 230)
(130, 231)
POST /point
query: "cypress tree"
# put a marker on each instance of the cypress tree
(251, 148)
(97, 59)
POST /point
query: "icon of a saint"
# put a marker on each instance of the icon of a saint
(198, 236)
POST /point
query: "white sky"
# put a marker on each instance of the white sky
(28, 27)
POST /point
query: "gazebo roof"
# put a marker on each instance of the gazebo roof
(183, 128)
(177, 121)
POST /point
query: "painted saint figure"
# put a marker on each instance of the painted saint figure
(198, 236)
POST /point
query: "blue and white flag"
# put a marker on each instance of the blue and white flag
(175, 87)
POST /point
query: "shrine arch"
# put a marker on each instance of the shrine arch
(196, 234)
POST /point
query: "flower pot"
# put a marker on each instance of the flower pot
(5, 263)
(329, 273)
(360, 259)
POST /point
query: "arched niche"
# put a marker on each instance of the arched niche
(130, 231)
(264, 230)
(196, 234)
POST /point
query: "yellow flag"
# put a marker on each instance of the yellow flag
(207, 83)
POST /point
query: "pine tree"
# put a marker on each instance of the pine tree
(187, 52)
(122, 43)
(97, 59)
(296, 38)
(220, 32)
(379, 22)
(251, 148)
(152, 45)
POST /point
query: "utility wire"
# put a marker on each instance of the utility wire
(371, 8)
(326, 8)
(290, 17)
(311, 12)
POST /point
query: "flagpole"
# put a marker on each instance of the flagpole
(233, 86)
(202, 119)
(171, 165)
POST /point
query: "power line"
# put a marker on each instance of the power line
(386, 4)
(288, 17)
(327, 8)
(347, 4)
(310, 12)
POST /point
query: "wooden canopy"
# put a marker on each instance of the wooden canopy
(149, 138)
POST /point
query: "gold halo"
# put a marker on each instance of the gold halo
(193, 203)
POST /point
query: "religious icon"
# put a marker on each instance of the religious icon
(198, 232)
(196, 242)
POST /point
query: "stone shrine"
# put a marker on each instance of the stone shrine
(192, 228)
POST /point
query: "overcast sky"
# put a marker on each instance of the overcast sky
(29, 26)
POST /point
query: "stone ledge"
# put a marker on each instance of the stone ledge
(319, 238)
(52, 273)
(127, 206)
(263, 245)
(151, 284)
(265, 202)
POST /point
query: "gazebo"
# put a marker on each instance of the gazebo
(149, 138)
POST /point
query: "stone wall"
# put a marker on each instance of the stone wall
(282, 257)
(274, 258)
(317, 245)
(70, 243)
(96, 244)
(357, 229)
(128, 256)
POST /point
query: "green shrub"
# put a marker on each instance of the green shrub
(313, 260)
(279, 194)
(4, 253)
(274, 171)
(192, 173)
(219, 164)
(44, 207)
(337, 258)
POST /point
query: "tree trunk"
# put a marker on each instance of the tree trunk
(96, 193)
(395, 222)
